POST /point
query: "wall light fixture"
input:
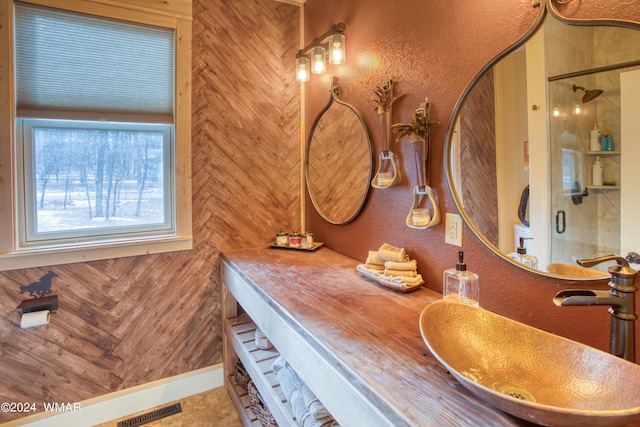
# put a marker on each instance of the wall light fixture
(330, 44)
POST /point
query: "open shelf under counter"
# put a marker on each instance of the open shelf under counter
(355, 344)
(240, 334)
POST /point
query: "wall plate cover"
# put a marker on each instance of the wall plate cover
(453, 230)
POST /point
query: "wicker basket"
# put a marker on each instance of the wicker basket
(241, 375)
(259, 408)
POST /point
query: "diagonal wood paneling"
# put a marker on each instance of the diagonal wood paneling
(128, 321)
(478, 153)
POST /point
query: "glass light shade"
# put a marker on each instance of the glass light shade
(319, 60)
(302, 69)
(577, 110)
(336, 49)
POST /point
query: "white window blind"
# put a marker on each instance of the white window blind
(68, 64)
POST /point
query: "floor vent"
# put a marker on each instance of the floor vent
(151, 416)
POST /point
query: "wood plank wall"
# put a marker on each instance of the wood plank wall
(128, 321)
(478, 151)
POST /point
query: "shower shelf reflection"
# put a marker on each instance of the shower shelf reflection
(604, 153)
(602, 187)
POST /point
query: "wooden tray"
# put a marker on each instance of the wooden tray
(315, 246)
(380, 278)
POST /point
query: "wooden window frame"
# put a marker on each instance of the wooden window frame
(174, 14)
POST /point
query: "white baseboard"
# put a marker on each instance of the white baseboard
(125, 402)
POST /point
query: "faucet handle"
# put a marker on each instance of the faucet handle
(621, 269)
(590, 262)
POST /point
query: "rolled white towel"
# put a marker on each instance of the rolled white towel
(278, 364)
(286, 382)
(312, 403)
(296, 400)
(411, 265)
(389, 252)
(373, 258)
(404, 280)
(362, 268)
(291, 393)
(401, 273)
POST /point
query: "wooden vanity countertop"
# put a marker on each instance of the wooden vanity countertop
(368, 332)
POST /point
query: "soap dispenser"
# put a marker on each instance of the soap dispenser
(521, 255)
(597, 172)
(594, 138)
(460, 284)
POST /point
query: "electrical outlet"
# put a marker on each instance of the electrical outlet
(453, 230)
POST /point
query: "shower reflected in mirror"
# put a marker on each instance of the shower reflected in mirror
(589, 95)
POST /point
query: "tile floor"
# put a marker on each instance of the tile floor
(209, 409)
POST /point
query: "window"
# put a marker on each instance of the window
(101, 134)
(87, 179)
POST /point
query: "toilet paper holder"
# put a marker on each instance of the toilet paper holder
(39, 304)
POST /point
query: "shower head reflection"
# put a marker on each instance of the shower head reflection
(589, 95)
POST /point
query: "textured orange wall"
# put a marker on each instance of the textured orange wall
(434, 49)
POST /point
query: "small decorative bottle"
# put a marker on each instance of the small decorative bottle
(262, 342)
(521, 255)
(295, 240)
(282, 238)
(460, 284)
(611, 144)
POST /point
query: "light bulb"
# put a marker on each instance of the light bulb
(336, 49)
(302, 69)
(319, 60)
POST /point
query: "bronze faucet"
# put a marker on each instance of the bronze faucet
(620, 298)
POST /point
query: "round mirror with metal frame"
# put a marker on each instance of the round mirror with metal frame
(339, 161)
(525, 102)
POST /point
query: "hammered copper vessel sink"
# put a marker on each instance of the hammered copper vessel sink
(530, 373)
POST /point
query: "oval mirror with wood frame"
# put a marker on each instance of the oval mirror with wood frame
(525, 149)
(339, 163)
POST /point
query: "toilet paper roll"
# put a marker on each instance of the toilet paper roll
(36, 318)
